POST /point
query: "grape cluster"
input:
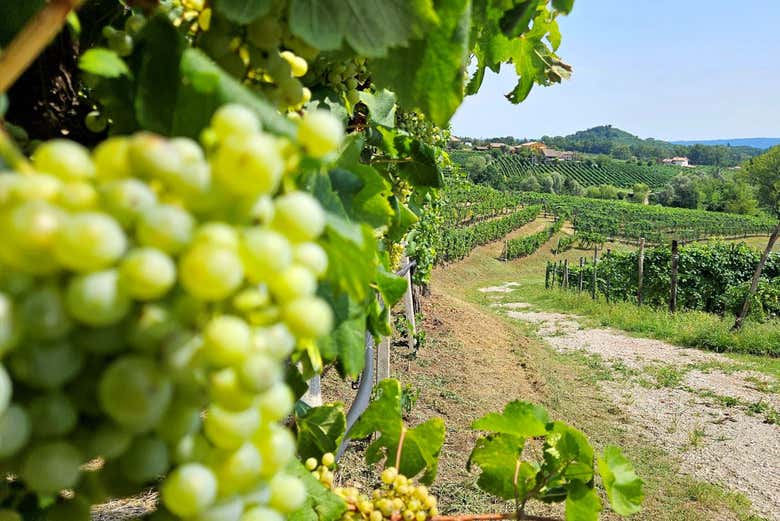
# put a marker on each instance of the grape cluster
(150, 295)
(344, 77)
(398, 498)
(421, 128)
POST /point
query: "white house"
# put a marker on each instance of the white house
(677, 161)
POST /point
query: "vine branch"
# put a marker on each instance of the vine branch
(39, 31)
(400, 447)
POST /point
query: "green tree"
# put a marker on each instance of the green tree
(641, 191)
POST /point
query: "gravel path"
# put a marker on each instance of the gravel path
(720, 421)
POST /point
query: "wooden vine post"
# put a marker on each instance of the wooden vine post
(640, 271)
(609, 277)
(595, 279)
(411, 329)
(582, 268)
(566, 274)
(673, 290)
(547, 276)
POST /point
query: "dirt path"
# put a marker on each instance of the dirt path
(718, 421)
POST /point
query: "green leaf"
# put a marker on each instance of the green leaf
(521, 419)
(515, 21)
(103, 62)
(403, 220)
(428, 75)
(421, 446)
(390, 286)
(370, 27)
(421, 168)
(564, 6)
(569, 450)
(320, 430)
(158, 75)
(3, 104)
(364, 194)
(321, 504)
(243, 11)
(206, 87)
(497, 457)
(623, 486)
(381, 107)
(582, 502)
(346, 343)
(351, 256)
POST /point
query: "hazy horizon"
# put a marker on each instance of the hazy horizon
(678, 71)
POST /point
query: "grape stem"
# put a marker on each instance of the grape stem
(396, 516)
(400, 447)
(32, 40)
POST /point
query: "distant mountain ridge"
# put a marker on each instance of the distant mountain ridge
(756, 142)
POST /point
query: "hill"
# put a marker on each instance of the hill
(619, 144)
(756, 142)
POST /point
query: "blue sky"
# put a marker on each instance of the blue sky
(669, 69)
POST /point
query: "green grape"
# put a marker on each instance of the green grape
(95, 121)
(127, 199)
(275, 341)
(134, 23)
(64, 159)
(42, 314)
(51, 467)
(151, 327)
(217, 234)
(181, 419)
(111, 159)
(15, 430)
(238, 470)
(211, 273)
(191, 448)
(265, 33)
(265, 253)
(97, 298)
(226, 340)
(308, 317)
(293, 283)
(320, 133)
(298, 65)
(135, 393)
(52, 415)
(225, 510)
(259, 372)
(121, 43)
(229, 429)
(89, 241)
(76, 509)
(287, 493)
(234, 120)
(9, 330)
(189, 489)
(312, 256)
(311, 464)
(101, 341)
(276, 403)
(147, 273)
(226, 389)
(276, 445)
(328, 459)
(10, 515)
(46, 366)
(261, 513)
(78, 196)
(29, 230)
(145, 460)
(298, 216)
(248, 165)
(166, 228)
(109, 441)
(34, 186)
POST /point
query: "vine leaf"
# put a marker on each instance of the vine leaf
(624, 487)
(421, 446)
(243, 11)
(428, 75)
(104, 63)
(496, 457)
(370, 27)
(320, 430)
(381, 107)
(521, 419)
(321, 503)
(582, 503)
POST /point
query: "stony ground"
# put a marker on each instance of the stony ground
(718, 420)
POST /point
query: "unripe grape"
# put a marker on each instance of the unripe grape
(217, 234)
(135, 392)
(293, 283)
(145, 460)
(298, 65)
(225, 389)
(248, 165)
(95, 121)
(234, 120)
(328, 459)
(15, 430)
(9, 329)
(97, 299)
(64, 159)
(229, 509)
(230, 429)
(10, 515)
(388, 475)
(311, 464)
(75, 509)
(78, 196)
(29, 230)
(189, 489)
(261, 513)
(238, 470)
(111, 159)
(89, 241)
(127, 199)
(46, 366)
(265, 33)
(226, 340)
(135, 23)
(211, 273)
(275, 341)
(287, 493)
(52, 415)
(165, 227)
(308, 317)
(33, 186)
(109, 441)
(51, 467)
(299, 216)
(258, 373)
(42, 314)
(376, 515)
(153, 156)
(276, 403)
(320, 133)
(276, 445)
(265, 253)
(147, 273)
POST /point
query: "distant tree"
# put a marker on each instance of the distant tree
(546, 183)
(764, 172)
(572, 187)
(475, 166)
(640, 192)
(620, 151)
(529, 184)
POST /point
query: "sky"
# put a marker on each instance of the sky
(668, 69)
